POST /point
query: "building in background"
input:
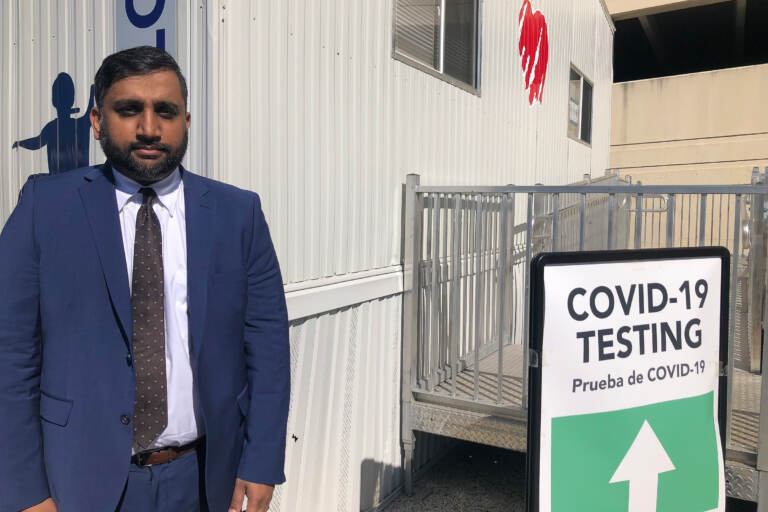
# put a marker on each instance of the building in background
(689, 103)
(323, 108)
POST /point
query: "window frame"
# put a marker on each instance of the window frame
(582, 78)
(396, 55)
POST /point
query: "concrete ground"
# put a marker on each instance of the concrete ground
(471, 477)
(483, 479)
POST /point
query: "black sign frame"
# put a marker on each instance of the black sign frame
(536, 335)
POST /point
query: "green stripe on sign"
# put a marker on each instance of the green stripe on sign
(588, 449)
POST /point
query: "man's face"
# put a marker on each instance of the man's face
(142, 125)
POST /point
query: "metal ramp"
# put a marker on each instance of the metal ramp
(467, 255)
(457, 414)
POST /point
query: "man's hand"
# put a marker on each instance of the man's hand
(259, 496)
(46, 506)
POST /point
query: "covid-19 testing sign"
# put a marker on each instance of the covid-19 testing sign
(626, 401)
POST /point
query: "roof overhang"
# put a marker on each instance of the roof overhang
(625, 9)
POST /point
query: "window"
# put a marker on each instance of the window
(440, 37)
(579, 107)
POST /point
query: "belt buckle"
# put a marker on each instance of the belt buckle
(141, 458)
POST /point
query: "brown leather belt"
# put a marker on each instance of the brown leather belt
(163, 455)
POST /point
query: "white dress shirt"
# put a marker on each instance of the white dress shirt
(182, 426)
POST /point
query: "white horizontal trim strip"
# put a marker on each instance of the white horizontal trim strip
(312, 298)
(325, 281)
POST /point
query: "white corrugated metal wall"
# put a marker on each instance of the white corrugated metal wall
(343, 448)
(42, 38)
(603, 70)
(315, 114)
(302, 101)
(346, 368)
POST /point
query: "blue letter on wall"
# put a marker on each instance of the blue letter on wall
(147, 20)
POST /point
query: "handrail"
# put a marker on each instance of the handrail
(595, 189)
(467, 255)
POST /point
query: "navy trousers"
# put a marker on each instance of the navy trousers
(172, 486)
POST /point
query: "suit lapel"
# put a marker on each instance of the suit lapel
(200, 211)
(98, 196)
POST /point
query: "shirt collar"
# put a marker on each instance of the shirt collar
(167, 190)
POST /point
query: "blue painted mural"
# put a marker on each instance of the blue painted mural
(66, 138)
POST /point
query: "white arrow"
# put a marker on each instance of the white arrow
(645, 459)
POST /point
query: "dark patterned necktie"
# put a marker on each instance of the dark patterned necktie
(151, 401)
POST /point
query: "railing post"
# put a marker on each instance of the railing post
(670, 220)
(480, 227)
(611, 208)
(433, 352)
(702, 219)
(526, 296)
(759, 212)
(638, 220)
(555, 219)
(582, 218)
(757, 255)
(538, 225)
(456, 293)
(413, 225)
(502, 293)
(732, 313)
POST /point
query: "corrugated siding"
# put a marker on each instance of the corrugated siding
(305, 114)
(344, 449)
(42, 38)
(585, 14)
(601, 132)
(193, 48)
(315, 114)
(303, 102)
(553, 148)
(582, 56)
(345, 412)
(8, 122)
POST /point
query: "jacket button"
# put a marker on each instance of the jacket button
(125, 419)
(128, 360)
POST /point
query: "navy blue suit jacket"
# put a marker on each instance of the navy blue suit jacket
(65, 340)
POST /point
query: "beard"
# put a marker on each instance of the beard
(143, 173)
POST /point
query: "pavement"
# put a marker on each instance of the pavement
(470, 477)
(478, 478)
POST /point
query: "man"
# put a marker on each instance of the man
(143, 331)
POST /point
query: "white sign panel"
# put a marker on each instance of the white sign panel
(145, 22)
(627, 398)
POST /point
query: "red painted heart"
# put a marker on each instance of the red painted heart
(534, 50)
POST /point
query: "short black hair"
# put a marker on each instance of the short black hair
(140, 60)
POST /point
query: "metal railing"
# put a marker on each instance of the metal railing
(467, 260)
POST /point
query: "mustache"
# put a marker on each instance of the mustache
(155, 146)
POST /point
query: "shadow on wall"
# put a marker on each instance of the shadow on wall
(380, 483)
(66, 138)
(377, 478)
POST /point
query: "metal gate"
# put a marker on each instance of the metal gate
(467, 258)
